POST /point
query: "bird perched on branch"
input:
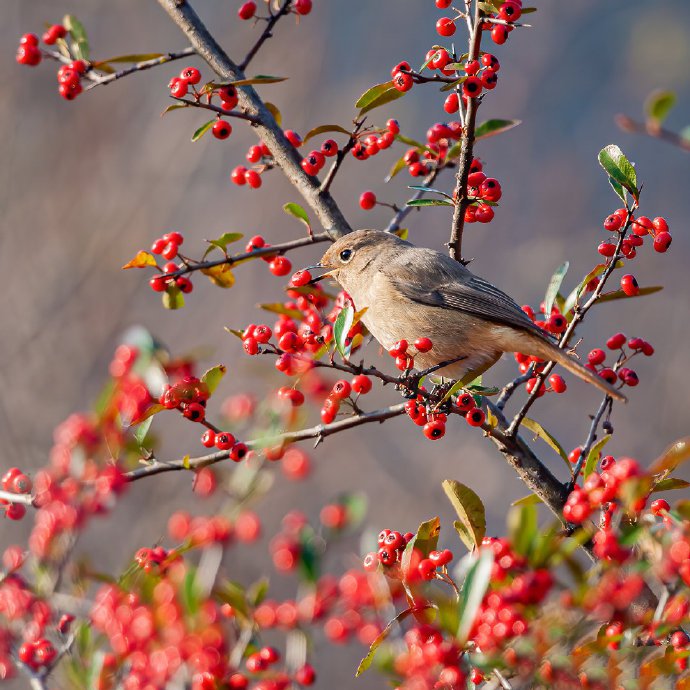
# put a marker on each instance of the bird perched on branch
(410, 292)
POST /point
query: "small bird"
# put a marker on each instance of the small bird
(409, 292)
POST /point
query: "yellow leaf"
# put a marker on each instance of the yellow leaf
(141, 260)
(220, 275)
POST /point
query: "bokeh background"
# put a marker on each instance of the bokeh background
(84, 185)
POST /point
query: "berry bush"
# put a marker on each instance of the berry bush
(586, 586)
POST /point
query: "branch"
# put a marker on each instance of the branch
(26, 499)
(285, 154)
(318, 432)
(266, 34)
(138, 67)
(466, 150)
(653, 130)
(218, 109)
(328, 181)
(406, 210)
(511, 387)
(605, 403)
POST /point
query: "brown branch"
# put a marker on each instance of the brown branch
(328, 180)
(218, 109)
(466, 150)
(266, 34)
(591, 437)
(653, 130)
(284, 153)
(138, 67)
(401, 214)
(319, 432)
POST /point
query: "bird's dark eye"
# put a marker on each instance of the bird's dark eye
(346, 255)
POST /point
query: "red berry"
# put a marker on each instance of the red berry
(510, 11)
(443, 4)
(294, 138)
(28, 55)
(184, 284)
(280, 266)
(208, 438)
(660, 224)
(629, 285)
(195, 412)
(300, 278)
(238, 451)
(253, 179)
(452, 103)
(247, 10)
(615, 342)
(613, 222)
(306, 674)
(361, 384)
(596, 357)
(489, 60)
(228, 96)
(472, 67)
(445, 26)
(499, 34)
(178, 87)
(489, 79)
(472, 87)
(642, 226)
(303, 6)
(662, 242)
(606, 249)
(404, 65)
(367, 200)
(191, 74)
(393, 126)
(21, 484)
(435, 430)
(251, 347)
(238, 175)
(15, 511)
(402, 82)
(341, 389)
(224, 440)
(475, 417)
(557, 383)
(423, 344)
(221, 129)
(329, 148)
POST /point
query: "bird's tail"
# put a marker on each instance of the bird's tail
(546, 350)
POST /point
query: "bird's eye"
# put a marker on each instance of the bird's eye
(346, 255)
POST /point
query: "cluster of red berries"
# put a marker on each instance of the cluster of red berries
(404, 360)
(481, 74)
(641, 227)
(483, 191)
(596, 359)
(37, 654)
(510, 11)
(201, 531)
(166, 280)
(14, 481)
(248, 9)
(154, 560)
(343, 390)
(278, 265)
(370, 144)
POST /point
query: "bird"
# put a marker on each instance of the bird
(407, 292)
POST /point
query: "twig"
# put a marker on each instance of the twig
(511, 387)
(320, 431)
(398, 218)
(653, 130)
(218, 109)
(138, 67)
(607, 402)
(328, 180)
(285, 154)
(466, 151)
(266, 34)
(26, 499)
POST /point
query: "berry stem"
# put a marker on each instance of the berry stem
(266, 34)
(218, 109)
(328, 180)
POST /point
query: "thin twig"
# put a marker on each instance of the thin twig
(328, 180)
(398, 218)
(511, 387)
(466, 151)
(607, 402)
(266, 34)
(25, 499)
(218, 109)
(652, 129)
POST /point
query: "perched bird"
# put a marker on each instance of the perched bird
(410, 292)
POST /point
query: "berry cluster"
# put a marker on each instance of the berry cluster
(509, 12)
(369, 144)
(248, 9)
(343, 390)
(14, 481)
(483, 192)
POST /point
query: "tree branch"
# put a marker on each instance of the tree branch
(285, 154)
(266, 34)
(653, 130)
(328, 180)
(218, 109)
(401, 214)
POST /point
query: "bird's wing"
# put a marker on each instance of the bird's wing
(439, 284)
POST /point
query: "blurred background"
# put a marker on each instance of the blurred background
(86, 184)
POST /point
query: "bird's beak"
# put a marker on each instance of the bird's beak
(315, 280)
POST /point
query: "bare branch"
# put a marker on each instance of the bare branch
(653, 130)
(266, 34)
(328, 181)
(218, 109)
(26, 499)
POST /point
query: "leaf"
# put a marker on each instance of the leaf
(173, 298)
(190, 593)
(174, 106)
(470, 510)
(670, 484)
(275, 112)
(137, 57)
(658, 105)
(258, 591)
(473, 590)
(141, 260)
(619, 294)
(402, 233)
(355, 504)
(203, 129)
(371, 94)
(618, 190)
(491, 128)
(543, 434)
(528, 10)
(223, 241)
(322, 129)
(233, 593)
(554, 286)
(280, 308)
(593, 455)
(454, 84)
(148, 412)
(412, 142)
(220, 275)
(431, 190)
(296, 211)
(213, 376)
(258, 79)
(425, 541)
(80, 42)
(430, 202)
(142, 429)
(529, 500)
(523, 525)
(365, 663)
(392, 94)
(399, 165)
(342, 326)
(672, 457)
(575, 294)
(619, 168)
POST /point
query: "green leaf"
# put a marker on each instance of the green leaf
(322, 129)
(670, 484)
(80, 42)
(174, 106)
(402, 233)
(280, 308)
(173, 298)
(190, 593)
(309, 556)
(425, 541)
(258, 79)
(155, 408)
(619, 168)
(220, 275)
(470, 510)
(257, 592)
(528, 10)
(213, 376)
(673, 456)
(618, 190)
(203, 129)
(430, 202)
(365, 663)
(431, 190)
(233, 593)
(388, 96)
(572, 298)
(529, 500)
(619, 294)
(412, 142)
(658, 105)
(370, 95)
(473, 590)
(223, 241)
(142, 429)
(296, 211)
(454, 84)
(554, 286)
(593, 456)
(543, 434)
(136, 57)
(522, 527)
(491, 128)
(342, 326)
(355, 506)
(275, 112)
(397, 167)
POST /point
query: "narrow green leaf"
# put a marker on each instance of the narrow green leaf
(491, 128)
(258, 79)
(529, 500)
(235, 332)
(554, 286)
(275, 112)
(412, 142)
(342, 326)
(136, 57)
(425, 541)
(672, 457)
(223, 241)
(233, 593)
(397, 167)
(155, 408)
(523, 526)
(203, 129)
(572, 298)
(80, 42)
(658, 105)
(280, 308)
(470, 510)
(619, 294)
(430, 202)
(370, 95)
(670, 484)
(258, 591)
(296, 211)
(528, 10)
(190, 593)
(141, 430)
(473, 590)
(618, 190)
(213, 376)
(544, 435)
(593, 456)
(389, 95)
(322, 129)
(453, 85)
(174, 106)
(619, 168)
